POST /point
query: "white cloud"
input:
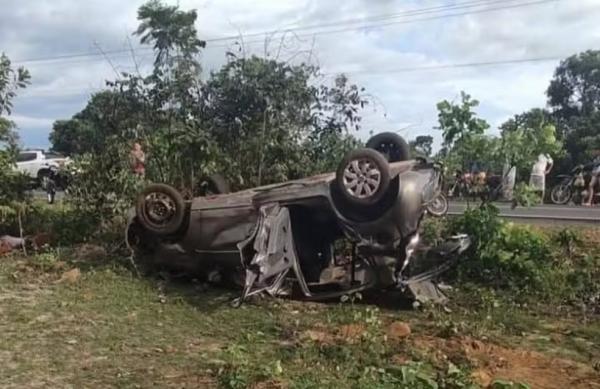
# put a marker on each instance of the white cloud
(30, 121)
(407, 98)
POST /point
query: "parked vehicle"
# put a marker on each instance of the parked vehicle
(466, 185)
(320, 237)
(574, 187)
(37, 163)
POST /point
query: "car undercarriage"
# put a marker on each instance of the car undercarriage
(317, 238)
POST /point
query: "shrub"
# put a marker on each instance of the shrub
(503, 255)
(66, 224)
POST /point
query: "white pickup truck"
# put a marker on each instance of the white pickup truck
(36, 162)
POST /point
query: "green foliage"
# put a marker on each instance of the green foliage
(502, 384)
(103, 185)
(256, 120)
(434, 230)
(464, 136)
(169, 30)
(504, 255)
(574, 99)
(526, 195)
(422, 145)
(526, 136)
(526, 261)
(10, 81)
(14, 184)
(459, 121)
(67, 225)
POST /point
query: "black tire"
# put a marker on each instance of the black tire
(373, 184)
(561, 194)
(213, 185)
(438, 206)
(171, 204)
(391, 145)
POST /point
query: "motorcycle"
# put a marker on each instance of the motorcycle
(481, 185)
(461, 185)
(574, 187)
(438, 205)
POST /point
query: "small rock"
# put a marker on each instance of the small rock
(70, 277)
(71, 341)
(398, 330)
(481, 378)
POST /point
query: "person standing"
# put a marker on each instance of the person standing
(137, 160)
(509, 175)
(540, 169)
(594, 179)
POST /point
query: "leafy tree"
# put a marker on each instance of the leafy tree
(463, 133)
(272, 124)
(169, 30)
(108, 114)
(11, 80)
(574, 98)
(459, 121)
(258, 120)
(527, 135)
(575, 88)
(422, 145)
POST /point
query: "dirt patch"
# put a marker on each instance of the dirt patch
(397, 331)
(351, 333)
(317, 336)
(492, 362)
(70, 277)
(270, 384)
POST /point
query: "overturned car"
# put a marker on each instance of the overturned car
(319, 237)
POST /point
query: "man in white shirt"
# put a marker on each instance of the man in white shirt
(540, 168)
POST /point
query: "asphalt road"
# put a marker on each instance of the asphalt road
(540, 214)
(544, 214)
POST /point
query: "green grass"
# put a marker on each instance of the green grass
(112, 329)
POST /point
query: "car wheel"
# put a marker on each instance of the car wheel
(391, 145)
(160, 209)
(561, 194)
(363, 177)
(438, 206)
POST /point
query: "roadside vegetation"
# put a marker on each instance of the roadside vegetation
(524, 307)
(81, 316)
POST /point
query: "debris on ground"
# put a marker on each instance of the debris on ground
(70, 277)
(4, 248)
(13, 242)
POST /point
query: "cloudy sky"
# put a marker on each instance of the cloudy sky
(408, 54)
